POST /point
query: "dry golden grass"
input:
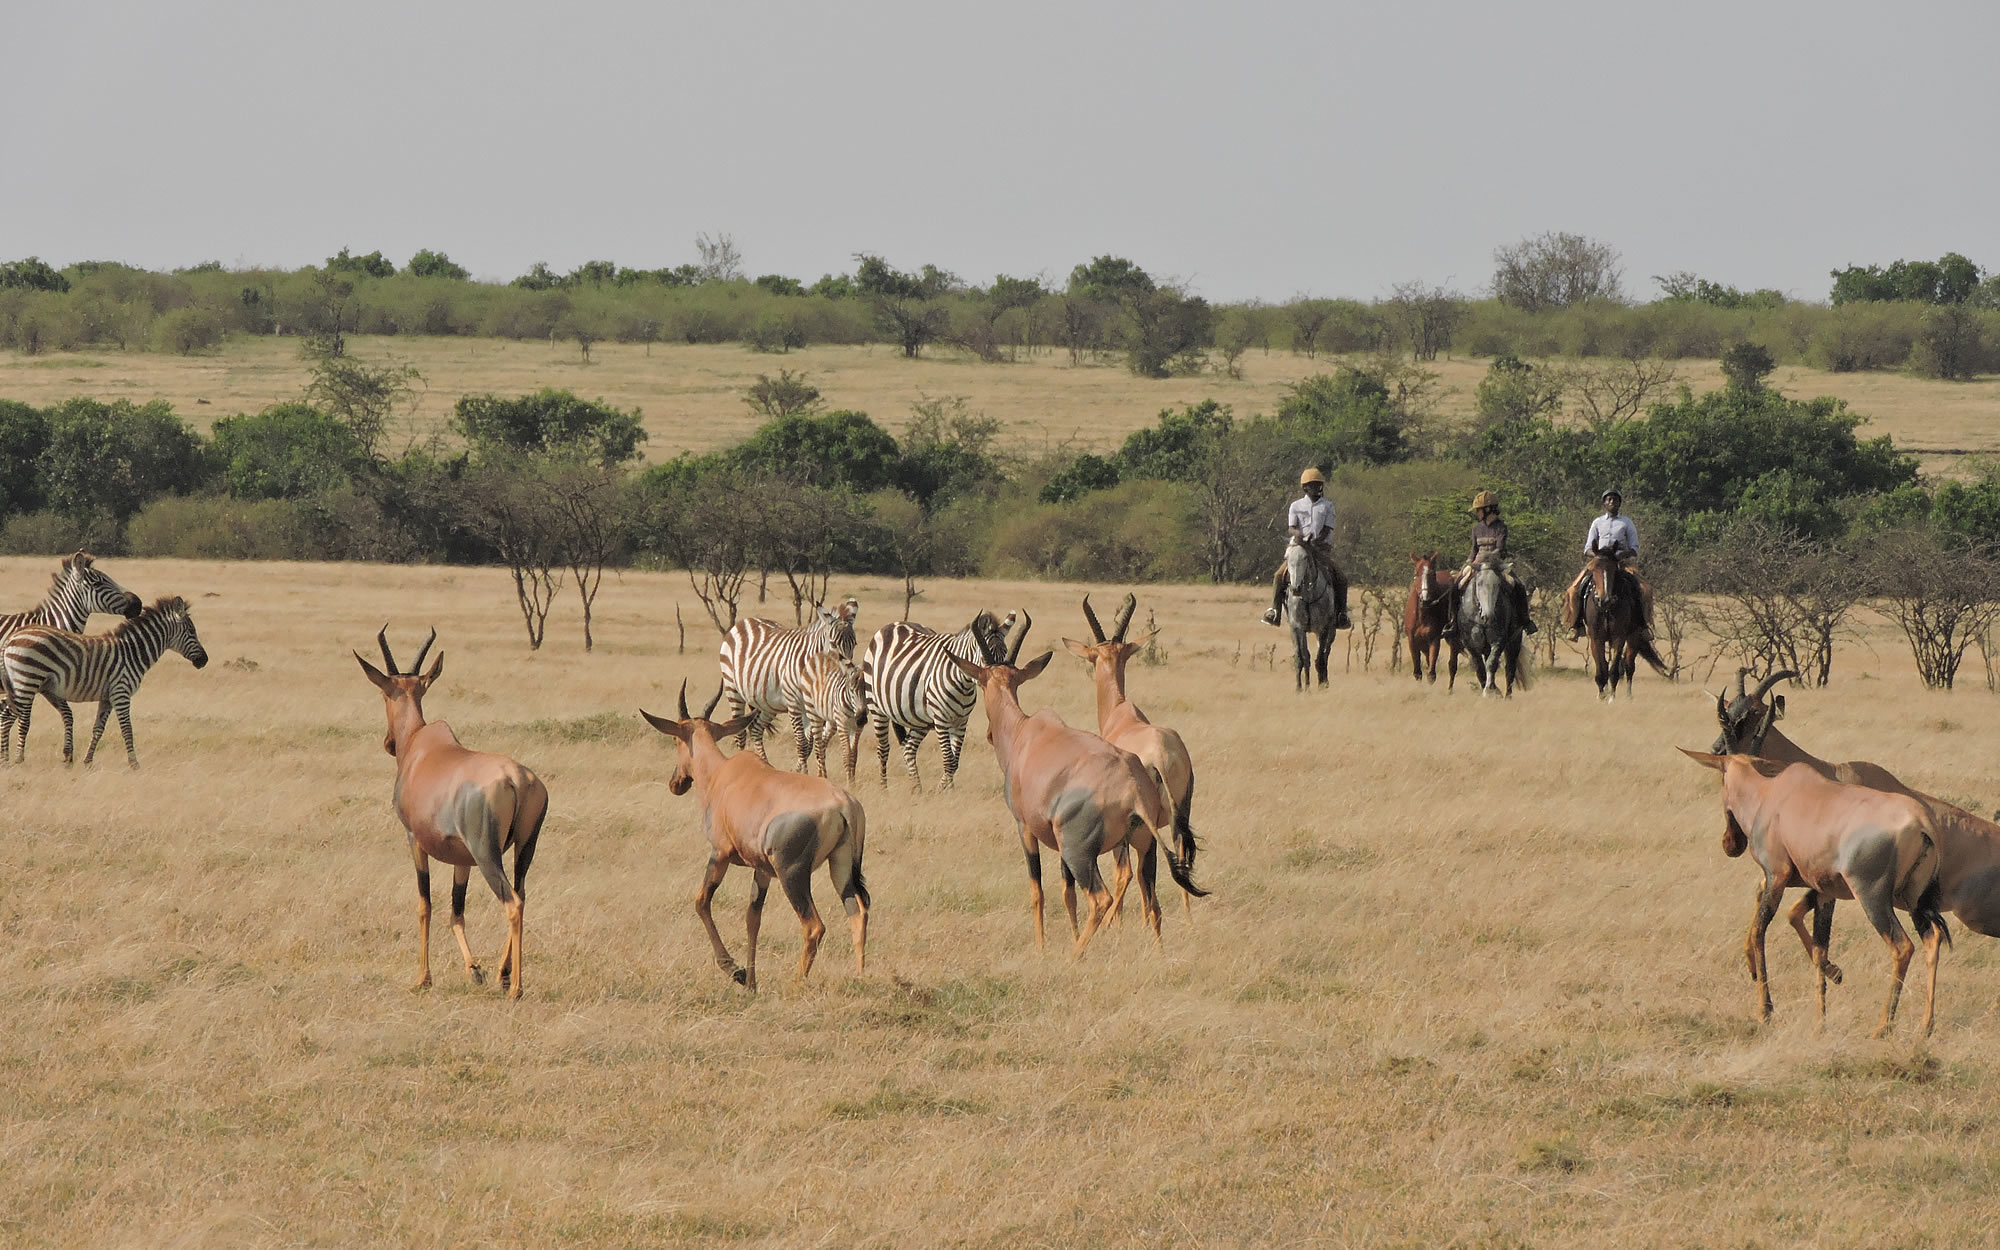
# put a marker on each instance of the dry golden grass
(1472, 973)
(692, 396)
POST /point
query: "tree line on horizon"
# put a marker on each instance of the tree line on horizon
(1550, 295)
(1767, 518)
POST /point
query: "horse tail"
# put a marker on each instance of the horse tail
(1642, 646)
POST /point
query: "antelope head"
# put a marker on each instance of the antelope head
(999, 681)
(1744, 727)
(688, 729)
(1113, 650)
(402, 691)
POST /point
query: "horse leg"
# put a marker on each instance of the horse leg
(1452, 646)
(1325, 649)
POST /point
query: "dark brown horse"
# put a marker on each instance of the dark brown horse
(1427, 618)
(1614, 614)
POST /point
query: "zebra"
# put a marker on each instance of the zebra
(76, 590)
(95, 668)
(763, 664)
(911, 687)
(833, 702)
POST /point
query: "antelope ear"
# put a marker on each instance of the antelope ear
(730, 728)
(1033, 668)
(437, 667)
(1703, 758)
(374, 675)
(671, 728)
(1778, 707)
(1081, 651)
(974, 671)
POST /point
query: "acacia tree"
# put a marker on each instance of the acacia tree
(1555, 270)
(504, 501)
(1426, 315)
(1775, 599)
(906, 304)
(589, 510)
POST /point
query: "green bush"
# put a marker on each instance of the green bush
(284, 452)
(1866, 335)
(1133, 532)
(217, 528)
(115, 457)
(188, 330)
(24, 435)
(50, 533)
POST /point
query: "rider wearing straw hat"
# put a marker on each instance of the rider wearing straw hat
(1489, 543)
(1310, 520)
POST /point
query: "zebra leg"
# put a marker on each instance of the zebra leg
(953, 742)
(800, 736)
(882, 747)
(913, 739)
(69, 729)
(23, 710)
(97, 731)
(122, 704)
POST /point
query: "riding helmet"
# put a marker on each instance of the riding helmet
(1484, 499)
(1613, 493)
(1312, 475)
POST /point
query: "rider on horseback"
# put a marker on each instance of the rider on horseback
(1310, 521)
(1489, 545)
(1614, 535)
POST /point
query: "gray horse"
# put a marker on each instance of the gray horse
(1489, 630)
(1309, 601)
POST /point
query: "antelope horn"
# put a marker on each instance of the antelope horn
(383, 639)
(1096, 630)
(1740, 673)
(709, 711)
(1123, 621)
(1017, 636)
(684, 700)
(424, 650)
(1774, 679)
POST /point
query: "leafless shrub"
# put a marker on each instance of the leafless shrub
(1774, 600)
(1945, 597)
(1607, 395)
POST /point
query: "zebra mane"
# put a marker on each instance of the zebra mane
(159, 607)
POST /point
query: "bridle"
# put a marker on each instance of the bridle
(1313, 588)
(1431, 590)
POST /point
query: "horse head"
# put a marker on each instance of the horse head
(1604, 570)
(1433, 587)
(1301, 570)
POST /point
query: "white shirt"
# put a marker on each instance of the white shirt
(1606, 530)
(1312, 518)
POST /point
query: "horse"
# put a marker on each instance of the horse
(1427, 618)
(1615, 617)
(1489, 629)
(1309, 601)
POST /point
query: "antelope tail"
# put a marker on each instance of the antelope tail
(1178, 868)
(1183, 827)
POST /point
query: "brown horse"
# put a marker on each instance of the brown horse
(1614, 614)
(1427, 618)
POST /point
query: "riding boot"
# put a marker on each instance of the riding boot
(1277, 612)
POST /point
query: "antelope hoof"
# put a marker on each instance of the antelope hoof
(421, 985)
(740, 977)
(1833, 973)
(477, 973)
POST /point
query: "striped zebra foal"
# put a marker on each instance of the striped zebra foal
(76, 590)
(763, 669)
(912, 688)
(833, 704)
(104, 669)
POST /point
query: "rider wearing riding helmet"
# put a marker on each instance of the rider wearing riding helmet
(1310, 521)
(1489, 543)
(1611, 533)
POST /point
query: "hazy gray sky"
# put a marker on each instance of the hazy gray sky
(1251, 149)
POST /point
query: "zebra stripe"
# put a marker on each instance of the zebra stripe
(104, 669)
(834, 703)
(912, 688)
(763, 667)
(76, 590)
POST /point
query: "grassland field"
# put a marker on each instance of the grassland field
(1472, 973)
(691, 397)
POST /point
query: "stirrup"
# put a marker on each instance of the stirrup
(1271, 616)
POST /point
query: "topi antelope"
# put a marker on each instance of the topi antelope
(1843, 841)
(465, 808)
(1123, 725)
(1968, 845)
(777, 824)
(76, 589)
(1071, 792)
(105, 669)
